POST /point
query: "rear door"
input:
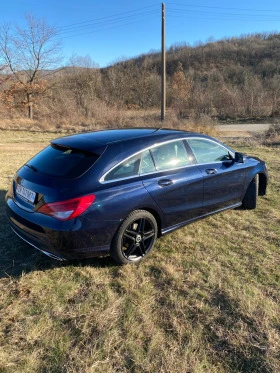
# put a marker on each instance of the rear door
(173, 181)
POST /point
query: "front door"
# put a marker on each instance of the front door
(223, 177)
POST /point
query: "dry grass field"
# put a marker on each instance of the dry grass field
(207, 299)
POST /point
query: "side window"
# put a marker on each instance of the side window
(170, 155)
(147, 164)
(128, 168)
(206, 151)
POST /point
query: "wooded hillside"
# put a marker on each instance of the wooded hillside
(231, 79)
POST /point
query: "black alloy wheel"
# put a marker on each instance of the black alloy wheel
(135, 237)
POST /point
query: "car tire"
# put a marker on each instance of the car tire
(250, 199)
(135, 238)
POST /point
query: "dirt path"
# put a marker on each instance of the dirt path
(242, 130)
(244, 127)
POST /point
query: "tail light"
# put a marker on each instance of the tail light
(69, 209)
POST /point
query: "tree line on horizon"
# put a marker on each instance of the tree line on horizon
(231, 79)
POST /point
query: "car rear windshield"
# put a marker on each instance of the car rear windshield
(63, 162)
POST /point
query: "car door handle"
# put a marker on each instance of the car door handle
(165, 182)
(211, 171)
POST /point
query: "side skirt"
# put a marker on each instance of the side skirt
(177, 226)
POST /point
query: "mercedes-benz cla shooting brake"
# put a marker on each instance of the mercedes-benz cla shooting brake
(116, 191)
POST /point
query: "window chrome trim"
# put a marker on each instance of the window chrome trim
(103, 181)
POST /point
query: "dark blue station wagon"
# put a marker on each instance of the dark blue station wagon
(116, 191)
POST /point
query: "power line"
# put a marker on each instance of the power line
(88, 26)
(102, 23)
(222, 8)
(220, 16)
(197, 14)
(225, 18)
(107, 28)
(107, 18)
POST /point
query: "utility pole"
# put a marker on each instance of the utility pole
(163, 65)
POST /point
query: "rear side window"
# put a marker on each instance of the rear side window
(163, 157)
(128, 168)
(61, 161)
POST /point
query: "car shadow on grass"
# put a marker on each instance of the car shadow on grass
(17, 257)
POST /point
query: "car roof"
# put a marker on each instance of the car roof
(114, 135)
(99, 139)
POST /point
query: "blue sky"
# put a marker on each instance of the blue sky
(110, 30)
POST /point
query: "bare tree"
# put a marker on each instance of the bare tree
(29, 52)
(84, 81)
(181, 86)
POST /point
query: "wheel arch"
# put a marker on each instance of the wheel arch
(156, 215)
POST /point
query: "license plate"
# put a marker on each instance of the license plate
(25, 193)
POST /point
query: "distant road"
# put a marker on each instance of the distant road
(248, 127)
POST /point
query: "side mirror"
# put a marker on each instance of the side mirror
(239, 157)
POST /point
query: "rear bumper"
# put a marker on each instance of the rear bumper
(35, 243)
(74, 239)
